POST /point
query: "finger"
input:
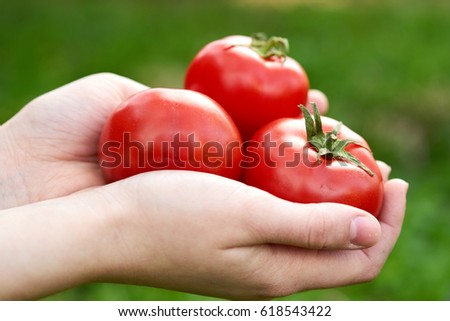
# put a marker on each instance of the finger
(320, 99)
(315, 226)
(368, 263)
(385, 170)
(393, 210)
(95, 95)
(336, 268)
(82, 107)
(102, 91)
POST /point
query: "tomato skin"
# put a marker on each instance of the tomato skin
(293, 172)
(252, 89)
(163, 128)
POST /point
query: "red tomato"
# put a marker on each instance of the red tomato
(252, 78)
(169, 129)
(283, 159)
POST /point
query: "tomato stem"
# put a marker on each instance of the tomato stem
(328, 145)
(269, 47)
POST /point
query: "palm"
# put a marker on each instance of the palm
(57, 134)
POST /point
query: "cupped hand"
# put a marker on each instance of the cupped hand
(49, 148)
(197, 233)
(208, 235)
(178, 230)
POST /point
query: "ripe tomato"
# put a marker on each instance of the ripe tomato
(169, 129)
(300, 163)
(252, 78)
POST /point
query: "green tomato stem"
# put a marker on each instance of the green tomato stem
(328, 145)
(269, 47)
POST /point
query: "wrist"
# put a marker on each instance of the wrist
(54, 245)
(131, 253)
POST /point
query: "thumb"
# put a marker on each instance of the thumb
(316, 226)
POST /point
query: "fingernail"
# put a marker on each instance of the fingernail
(364, 231)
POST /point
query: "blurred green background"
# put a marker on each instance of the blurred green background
(385, 66)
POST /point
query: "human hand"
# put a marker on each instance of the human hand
(222, 238)
(49, 149)
(179, 230)
(320, 99)
(194, 232)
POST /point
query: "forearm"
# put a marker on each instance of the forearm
(51, 246)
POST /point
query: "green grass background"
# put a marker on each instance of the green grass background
(385, 66)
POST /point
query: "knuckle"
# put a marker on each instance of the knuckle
(368, 272)
(103, 75)
(318, 230)
(373, 271)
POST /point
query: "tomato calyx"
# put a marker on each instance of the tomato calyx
(270, 47)
(328, 145)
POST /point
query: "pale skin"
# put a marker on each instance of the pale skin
(61, 226)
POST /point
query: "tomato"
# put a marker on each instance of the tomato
(164, 128)
(294, 160)
(252, 78)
